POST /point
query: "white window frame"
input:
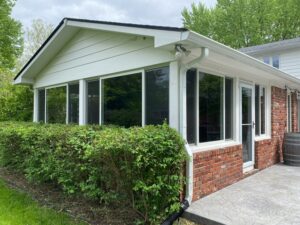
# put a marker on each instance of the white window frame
(67, 94)
(212, 144)
(259, 112)
(142, 72)
(271, 60)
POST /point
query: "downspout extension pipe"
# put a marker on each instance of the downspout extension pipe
(189, 165)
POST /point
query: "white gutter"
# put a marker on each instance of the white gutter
(189, 164)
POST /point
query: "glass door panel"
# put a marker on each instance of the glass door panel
(247, 124)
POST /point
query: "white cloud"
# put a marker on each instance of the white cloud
(157, 12)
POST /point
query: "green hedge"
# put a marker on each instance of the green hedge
(140, 166)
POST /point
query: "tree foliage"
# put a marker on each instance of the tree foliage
(11, 41)
(16, 102)
(35, 35)
(242, 23)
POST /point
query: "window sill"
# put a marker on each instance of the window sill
(213, 146)
(261, 138)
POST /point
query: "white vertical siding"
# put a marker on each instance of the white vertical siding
(94, 53)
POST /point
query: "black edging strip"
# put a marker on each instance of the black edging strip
(97, 22)
(200, 220)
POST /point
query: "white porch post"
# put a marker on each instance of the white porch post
(35, 104)
(174, 96)
(82, 102)
(182, 101)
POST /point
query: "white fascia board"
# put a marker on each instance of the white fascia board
(239, 56)
(161, 37)
(21, 79)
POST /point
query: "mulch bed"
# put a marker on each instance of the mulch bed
(77, 207)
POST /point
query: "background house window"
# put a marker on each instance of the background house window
(93, 102)
(122, 100)
(41, 105)
(266, 59)
(215, 110)
(157, 95)
(56, 105)
(275, 61)
(73, 103)
(260, 110)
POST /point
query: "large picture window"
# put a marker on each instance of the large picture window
(260, 110)
(56, 105)
(73, 103)
(93, 102)
(157, 95)
(214, 112)
(122, 100)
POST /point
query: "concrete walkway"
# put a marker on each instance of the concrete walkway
(271, 196)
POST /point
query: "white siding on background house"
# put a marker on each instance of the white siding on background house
(94, 53)
(290, 62)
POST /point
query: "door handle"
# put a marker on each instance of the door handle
(253, 124)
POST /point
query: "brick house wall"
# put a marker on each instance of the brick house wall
(218, 168)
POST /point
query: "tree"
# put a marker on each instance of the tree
(200, 19)
(11, 41)
(35, 36)
(16, 102)
(242, 23)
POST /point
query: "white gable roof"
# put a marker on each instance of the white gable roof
(163, 36)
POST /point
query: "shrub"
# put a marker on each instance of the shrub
(139, 166)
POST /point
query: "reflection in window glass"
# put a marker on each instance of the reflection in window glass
(262, 110)
(41, 104)
(56, 105)
(122, 100)
(93, 102)
(157, 95)
(210, 108)
(191, 104)
(289, 113)
(73, 103)
(275, 61)
(257, 111)
(228, 108)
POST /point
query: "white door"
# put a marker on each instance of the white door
(247, 124)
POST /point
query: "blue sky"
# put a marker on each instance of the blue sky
(156, 12)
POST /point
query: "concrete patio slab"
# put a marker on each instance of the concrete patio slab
(271, 196)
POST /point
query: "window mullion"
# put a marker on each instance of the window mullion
(224, 136)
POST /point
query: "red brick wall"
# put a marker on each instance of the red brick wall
(216, 169)
(294, 112)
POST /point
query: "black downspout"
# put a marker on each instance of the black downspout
(170, 220)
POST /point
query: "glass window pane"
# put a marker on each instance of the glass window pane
(56, 105)
(41, 104)
(266, 59)
(289, 119)
(122, 100)
(157, 96)
(263, 110)
(210, 108)
(93, 102)
(246, 106)
(275, 60)
(191, 104)
(228, 108)
(73, 103)
(257, 110)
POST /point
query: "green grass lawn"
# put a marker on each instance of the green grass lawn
(19, 209)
